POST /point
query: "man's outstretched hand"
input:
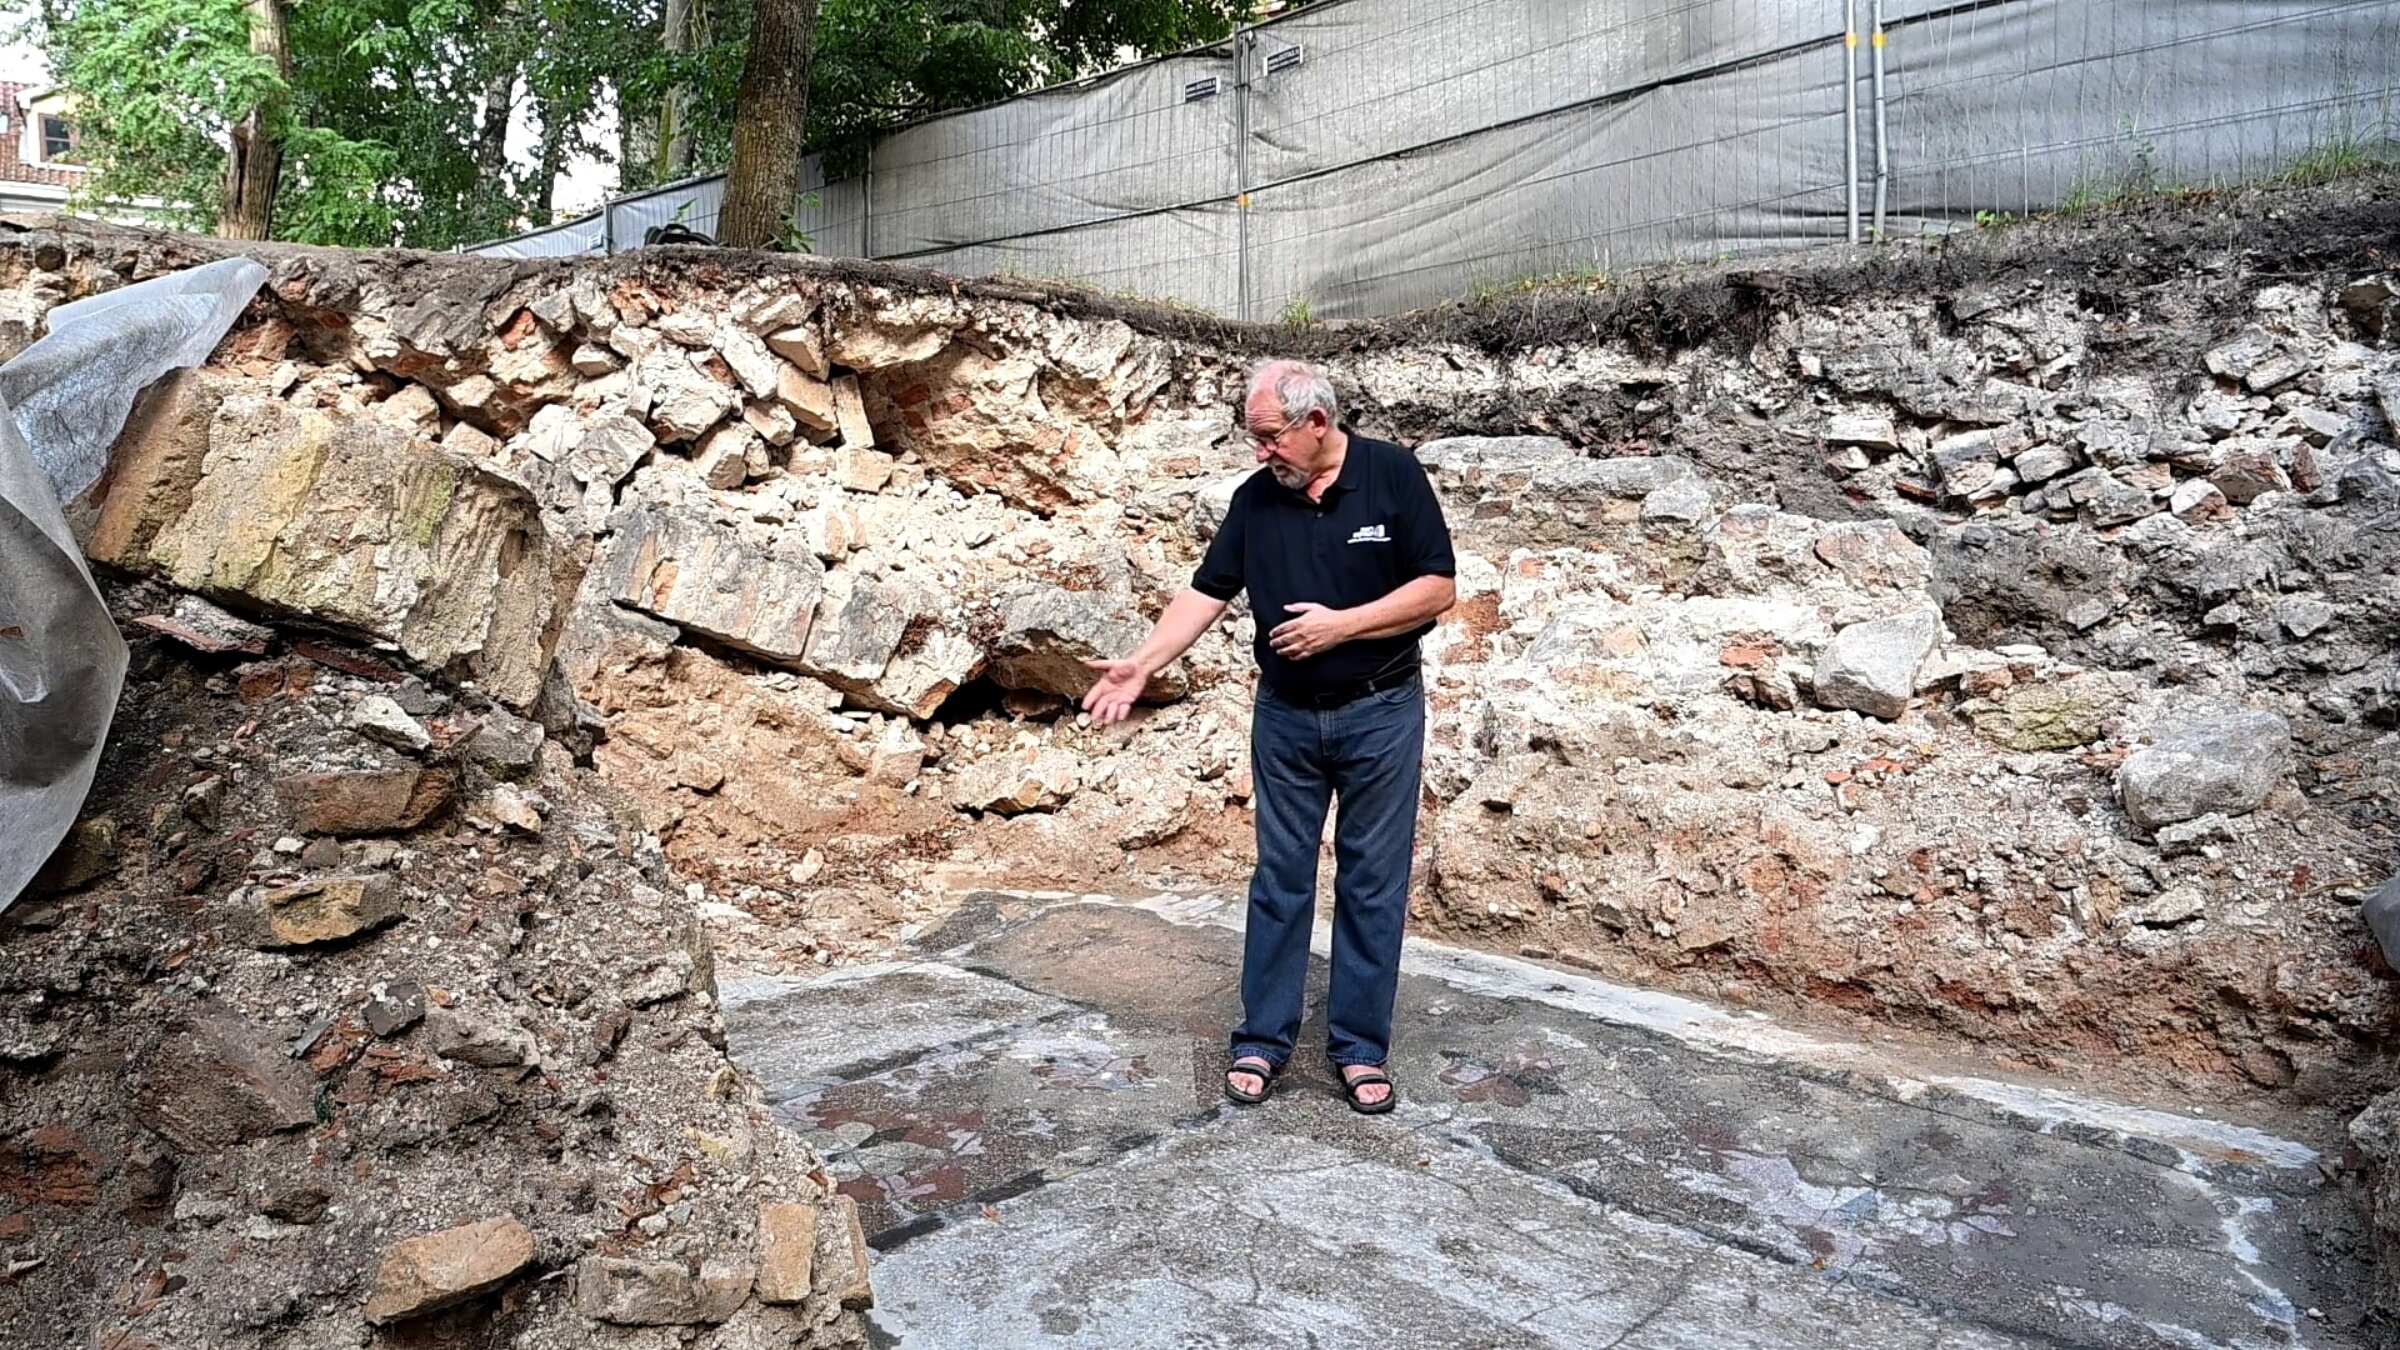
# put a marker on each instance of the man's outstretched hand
(1111, 697)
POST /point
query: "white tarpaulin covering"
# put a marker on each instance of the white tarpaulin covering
(62, 663)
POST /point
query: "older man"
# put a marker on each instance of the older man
(1342, 546)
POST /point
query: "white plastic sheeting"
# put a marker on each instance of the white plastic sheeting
(1368, 156)
(62, 662)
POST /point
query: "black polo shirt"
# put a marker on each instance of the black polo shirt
(1376, 529)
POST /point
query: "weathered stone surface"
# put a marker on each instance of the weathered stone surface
(204, 627)
(1872, 666)
(89, 852)
(155, 465)
(1048, 632)
(772, 421)
(634, 1293)
(703, 577)
(861, 470)
(809, 400)
(330, 909)
(2042, 463)
(1684, 501)
(887, 645)
(787, 1252)
(749, 359)
(440, 1270)
(211, 1080)
(355, 524)
(608, 451)
(800, 345)
(723, 456)
(511, 807)
(850, 414)
(379, 718)
(1862, 429)
(685, 400)
(2196, 499)
(366, 801)
(505, 745)
(2243, 353)
(484, 1040)
(2248, 469)
(2058, 716)
(1017, 781)
(844, 1266)
(2224, 760)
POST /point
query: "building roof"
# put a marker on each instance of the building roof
(13, 168)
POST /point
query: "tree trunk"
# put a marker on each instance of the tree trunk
(682, 37)
(770, 114)
(255, 165)
(637, 143)
(491, 135)
(554, 153)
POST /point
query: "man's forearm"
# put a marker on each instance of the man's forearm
(1405, 609)
(1187, 616)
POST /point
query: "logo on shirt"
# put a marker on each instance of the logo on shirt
(1370, 534)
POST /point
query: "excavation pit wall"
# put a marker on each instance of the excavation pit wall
(1993, 639)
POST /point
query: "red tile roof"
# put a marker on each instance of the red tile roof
(13, 168)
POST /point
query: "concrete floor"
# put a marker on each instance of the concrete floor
(1031, 1122)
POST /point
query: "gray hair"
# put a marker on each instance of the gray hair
(1299, 387)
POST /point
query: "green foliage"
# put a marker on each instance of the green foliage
(1592, 277)
(2340, 158)
(1296, 313)
(158, 84)
(384, 112)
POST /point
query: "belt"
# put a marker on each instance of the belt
(1340, 694)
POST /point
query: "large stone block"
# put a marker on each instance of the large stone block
(352, 523)
(703, 577)
(1048, 633)
(889, 646)
(2208, 759)
(425, 1274)
(1873, 666)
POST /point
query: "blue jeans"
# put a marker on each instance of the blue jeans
(1369, 753)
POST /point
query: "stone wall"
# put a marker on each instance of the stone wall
(1994, 637)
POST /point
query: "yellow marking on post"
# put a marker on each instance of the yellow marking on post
(1849, 39)
(1879, 37)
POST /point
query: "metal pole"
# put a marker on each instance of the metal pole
(866, 204)
(1241, 173)
(1850, 112)
(1883, 157)
(608, 226)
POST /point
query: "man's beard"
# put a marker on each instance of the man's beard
(1293, 478)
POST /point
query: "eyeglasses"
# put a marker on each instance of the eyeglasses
(1259, 437)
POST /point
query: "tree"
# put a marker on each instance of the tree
(254, 169)
(770, 115)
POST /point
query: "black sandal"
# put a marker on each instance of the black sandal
(1265, 1077)
(1350, 1087)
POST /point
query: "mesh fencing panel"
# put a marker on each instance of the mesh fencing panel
(1368, 156)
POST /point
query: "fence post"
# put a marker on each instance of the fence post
(1850, 111)
(866, 204)
(1241, 172)
(1883, 155)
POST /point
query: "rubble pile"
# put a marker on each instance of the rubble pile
(350, 1005)
(1995, 638)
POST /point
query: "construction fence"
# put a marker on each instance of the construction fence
(1365, 157)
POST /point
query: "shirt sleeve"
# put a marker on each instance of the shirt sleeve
(1220, 576)
(1424, 536)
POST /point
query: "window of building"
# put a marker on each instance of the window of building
(57, 141)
